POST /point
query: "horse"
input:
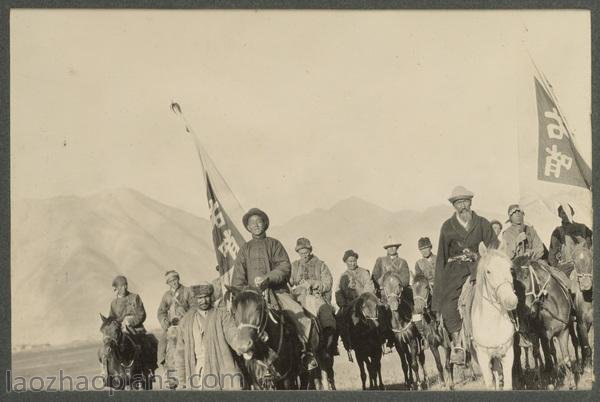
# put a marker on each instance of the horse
(492, 332)
(366, 337)
(267, 341)
(544, 312)
(126, 363)
(430, 329)
(582, 280)
(407, 339)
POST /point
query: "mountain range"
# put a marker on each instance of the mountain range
(65, 251)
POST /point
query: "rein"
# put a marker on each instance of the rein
(543, 291)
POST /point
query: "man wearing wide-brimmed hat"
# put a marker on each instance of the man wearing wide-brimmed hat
(175, 302)
(264, 263)
(457, 258)
(390, 262)
(426, 265)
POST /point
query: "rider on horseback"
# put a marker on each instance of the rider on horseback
(354, 282)
(311, 282)
(426, 265)
(577, 231)
(457, 262)
(127, 308)
(263, 262)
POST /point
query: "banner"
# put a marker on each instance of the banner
(558, 159)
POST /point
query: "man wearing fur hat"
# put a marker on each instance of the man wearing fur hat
(457, 258)
(426, 265)
(264, 263)
(206, 357)
(175, 302)
(390, 262)
(353, 282)
(311, 282)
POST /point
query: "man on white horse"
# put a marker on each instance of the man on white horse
(457, 261)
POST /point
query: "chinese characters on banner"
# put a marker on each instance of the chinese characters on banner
(226, 238)
(558, 159)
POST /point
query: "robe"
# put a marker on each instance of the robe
(451, 276)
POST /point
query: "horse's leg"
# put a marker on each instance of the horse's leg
(537, 360)
(422, 363)
(563, 342)
(484, 366)
(414, 360)
(576, 341)
(363, 376)
(517, 369)
(450, 369)
(402, 354)
(582, 335)
(507, 363)
(438, 362)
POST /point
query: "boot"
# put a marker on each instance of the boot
(457, 355)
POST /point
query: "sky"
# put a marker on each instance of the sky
(298, 109)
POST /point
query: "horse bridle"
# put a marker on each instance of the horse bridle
(494, 293)
(537, 296)
(116, 342)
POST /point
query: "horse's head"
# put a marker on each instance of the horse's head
(112, 371)
(582, 259)
(421, 294)
(494, 274)
(250, 312)
(111, 331)
(391, 287)
(368, 307)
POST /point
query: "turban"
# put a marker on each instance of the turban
(424, 242)
(303, 243)
(204, 289)
(258, 212)
(120, 279)
(170, 275)
(512, 209)
(460, 193)
(348, 254)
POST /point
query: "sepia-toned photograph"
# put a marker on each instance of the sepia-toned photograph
(352, 200)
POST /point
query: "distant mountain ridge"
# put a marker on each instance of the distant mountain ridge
(66, 250)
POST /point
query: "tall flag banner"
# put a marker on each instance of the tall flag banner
(224, 209)
(558, 159)
(552, 170)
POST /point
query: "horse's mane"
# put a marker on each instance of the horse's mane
(390, 274)
(420, 277)
(108, 321)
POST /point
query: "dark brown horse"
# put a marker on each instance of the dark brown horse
(267, 339)
(430, 329)
(367, 337)
(128, 361)
(408, 340)
(544, 312)
(582, 279)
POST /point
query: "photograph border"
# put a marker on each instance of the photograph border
(5, 205)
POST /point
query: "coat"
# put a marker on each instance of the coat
(264, 257)
(451, 276)
(557, 240)
(426, 267)
(517, 248)
(314, 270)
(174, 305)
(353, 283)
(387, 263)
(129, 305)
(220, 360)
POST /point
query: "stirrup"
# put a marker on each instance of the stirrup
(454, 351)
(309, 360)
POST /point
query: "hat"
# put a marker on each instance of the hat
(512, 209)
(460, 193)
(303, 242)
(424, 242)
(203, 289)
(170, 275)
(562, 208)
(391, 243)
(255, 211)
(119, 279)
(348, 254)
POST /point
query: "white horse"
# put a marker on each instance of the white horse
(492, 327)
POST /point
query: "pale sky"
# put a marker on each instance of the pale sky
(298, 109)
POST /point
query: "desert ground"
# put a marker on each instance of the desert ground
(82, 361)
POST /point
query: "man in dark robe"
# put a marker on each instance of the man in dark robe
(577, 231)
(264, 263)
(457, 261)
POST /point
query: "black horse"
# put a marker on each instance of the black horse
(128, 361)
(267, 339)
(407, 339)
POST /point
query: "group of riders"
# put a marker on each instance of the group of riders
(197, 322)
